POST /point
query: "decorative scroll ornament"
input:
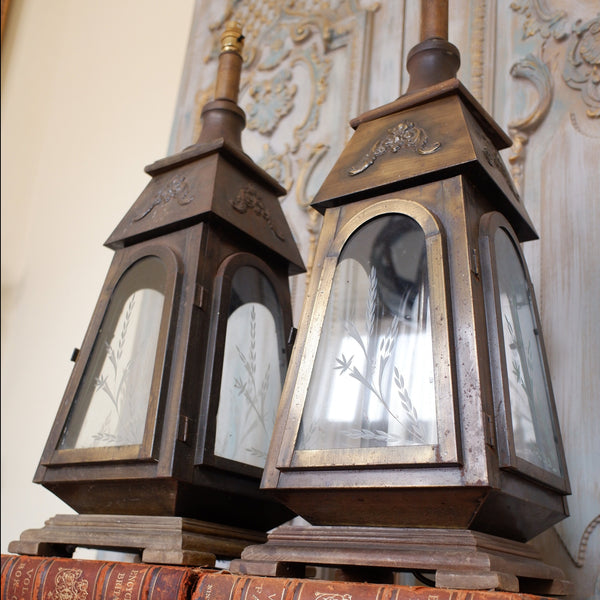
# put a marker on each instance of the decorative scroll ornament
(177, 189)
(249, 199)
(582, 68)
(404, 135)
(332, 596)
(69, 585)
(272, 100)
(534, 70)
(538, 19)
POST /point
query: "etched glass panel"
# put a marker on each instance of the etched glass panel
(112, 401)
(534, 434)
(372, 383)
(254, 362)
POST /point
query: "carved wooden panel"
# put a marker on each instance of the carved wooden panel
(312, 65)
(550, 104)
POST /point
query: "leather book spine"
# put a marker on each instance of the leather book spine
(39, 578)
(226, 586)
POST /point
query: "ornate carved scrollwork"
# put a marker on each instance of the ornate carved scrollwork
(272, 100)
(540, 19)
(248, 199)
(403, 135)
(536, 72)
(579, 560)
(176, 189)
(582, 68)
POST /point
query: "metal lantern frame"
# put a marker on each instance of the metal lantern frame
(463, 506)
(207, 213)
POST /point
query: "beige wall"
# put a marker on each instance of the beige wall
(88, 97)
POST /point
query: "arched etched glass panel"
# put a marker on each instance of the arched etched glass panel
(111, 403)
(254, 362)
(534, 434)
(372, 384)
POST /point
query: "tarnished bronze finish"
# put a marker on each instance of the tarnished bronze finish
(375, 428)
(450, 133)
(434, 59)
(230, 63)
(434, 19)
(211, 223)
(430, 62)
(222, 117)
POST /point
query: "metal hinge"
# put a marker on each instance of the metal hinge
(199, 296)
(490, 438)
(475, 262)
(185, 424)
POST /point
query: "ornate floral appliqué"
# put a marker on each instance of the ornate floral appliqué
(403, 135)
(177, 189)
(248, 199)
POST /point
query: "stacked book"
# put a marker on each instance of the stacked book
(42, 578)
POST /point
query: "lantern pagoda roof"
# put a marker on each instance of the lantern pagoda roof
(214, 179)
(430, 133)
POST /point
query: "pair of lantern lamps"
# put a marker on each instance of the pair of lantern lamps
(417, 395)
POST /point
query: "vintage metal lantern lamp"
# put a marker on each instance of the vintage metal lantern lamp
(418, 428)
(172, 400)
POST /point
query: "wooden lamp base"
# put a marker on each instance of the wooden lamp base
(458, 559)
(161, 540)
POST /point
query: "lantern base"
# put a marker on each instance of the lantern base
(161, 540)
(460, 559)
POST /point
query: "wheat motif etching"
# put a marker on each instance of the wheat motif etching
(255, 395)
(530, 445)
(372, 376)
(115, 386)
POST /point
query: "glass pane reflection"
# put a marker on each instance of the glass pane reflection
(533, 430)
(372, 383)
(254, 362)
(112, 401)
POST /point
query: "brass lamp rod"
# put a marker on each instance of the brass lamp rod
(230, 63)
(434, 19)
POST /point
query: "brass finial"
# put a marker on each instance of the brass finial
(230, 62)
(232, 39)
(222, 117)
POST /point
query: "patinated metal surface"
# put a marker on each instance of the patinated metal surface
(207, 212)
(437, 149)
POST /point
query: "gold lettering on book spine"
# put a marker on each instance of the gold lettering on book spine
(69, 585)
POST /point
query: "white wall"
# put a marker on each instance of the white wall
(88, 95)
